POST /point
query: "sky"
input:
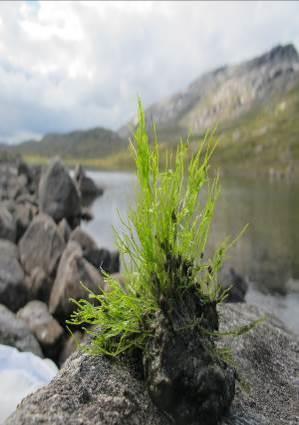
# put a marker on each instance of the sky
(79, 64)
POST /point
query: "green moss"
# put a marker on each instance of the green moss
(165, 238)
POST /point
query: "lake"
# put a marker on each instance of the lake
(267, 255)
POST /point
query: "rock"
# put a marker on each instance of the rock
(29, 198)
(8, 249)
(87, 187)
(46, 329)
(84, 240)
(183, 377)
(101, 258)
(36, 172)
(267, 362)
(41, 246)
(73, 270)
(86, 214)
(64, 229)
(7, 224)
(97, 390)
(236, 284)
(13, 291)
(14, 332)
(38, 285)
(70, 346)
(23, 215)
(58, 195)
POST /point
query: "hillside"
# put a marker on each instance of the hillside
(225, 94)
(88, 144)
(255, 106)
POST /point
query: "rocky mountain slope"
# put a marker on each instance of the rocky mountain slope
(220, 96)
(254, 104)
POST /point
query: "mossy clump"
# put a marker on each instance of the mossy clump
(167, 309)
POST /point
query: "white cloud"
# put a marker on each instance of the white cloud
(66, 65)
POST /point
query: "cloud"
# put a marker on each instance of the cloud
(81, 64)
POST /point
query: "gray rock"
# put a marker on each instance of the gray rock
(86, 242)
(96, 390)
(41, 246)
(267, 362)
(70, 346)
(14, 332)
(8, 249)
(236, 285)
(100, 258)
(73, 270)
(38, 285)
(58, 195)
(7, 224)
(64, 229)
(13, 292)
(90, 390)
(86, 214)
(87, 187)
(46, 329)
(23, 215)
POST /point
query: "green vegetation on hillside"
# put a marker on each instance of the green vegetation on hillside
(264, 140)
(87, 144)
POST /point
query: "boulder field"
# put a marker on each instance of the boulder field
(45, 254)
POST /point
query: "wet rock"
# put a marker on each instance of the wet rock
(184, 378)
(64, 229)
(7, 224)
(58, 195)
(46, 329)
(72, 271)
(96, 390)
(87, 187)
(236, 284)
(41, 246)
(13, 292)
(14, 332)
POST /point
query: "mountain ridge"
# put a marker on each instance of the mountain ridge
(254, 104)
(223, 94)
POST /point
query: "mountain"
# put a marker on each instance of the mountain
(97, 142)
(220, 96)
(254, 104)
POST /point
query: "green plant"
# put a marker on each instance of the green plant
(165, 238)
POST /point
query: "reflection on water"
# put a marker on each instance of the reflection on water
(268, 254)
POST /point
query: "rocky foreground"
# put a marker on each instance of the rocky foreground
(96, 390)
(45, 254)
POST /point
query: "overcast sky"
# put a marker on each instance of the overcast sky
(72, 65)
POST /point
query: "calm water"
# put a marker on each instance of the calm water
(268, 254)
